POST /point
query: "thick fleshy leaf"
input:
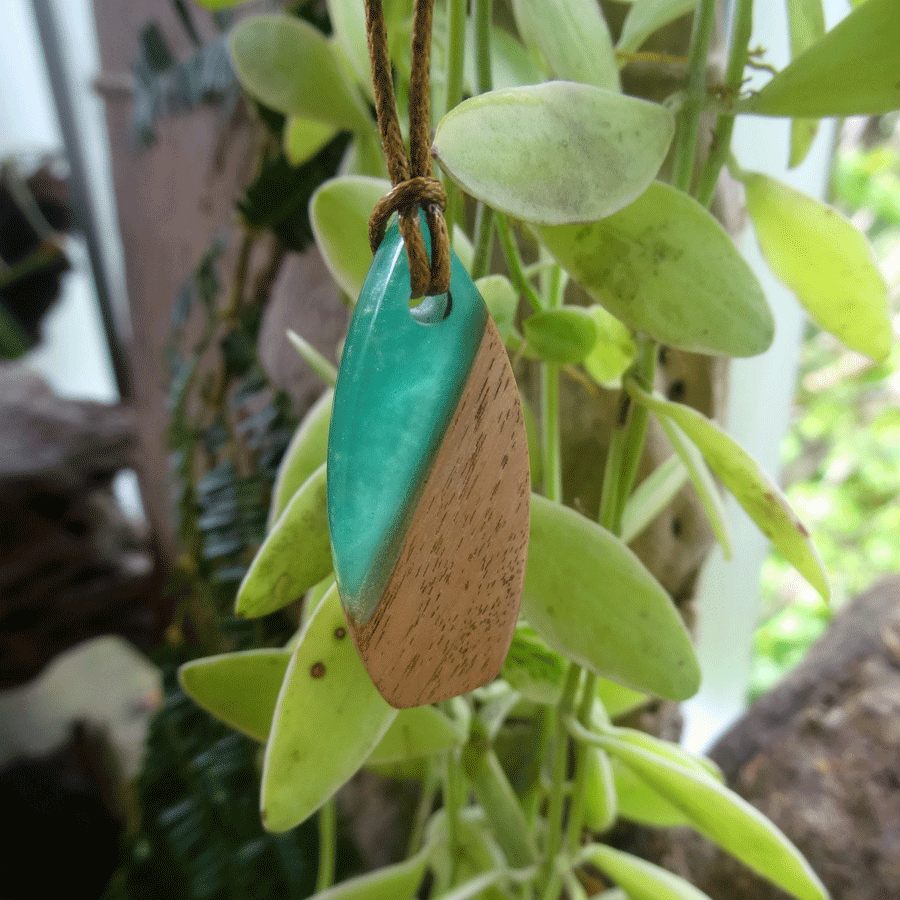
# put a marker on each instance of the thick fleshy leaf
(474, 850)
(601, 804)
(638, 802)
(305, 453)
(825, 261)
(665, 749)
(339, 212)
(511, 66)
(708, 491)
(806, 24)
(560, 336)
(751, 487)
(554, 153)
(502, 302)
(304, 138)
(591, 599)
(295, 556)
(665, 266)
(617, 699)
(397, 882)
(640, 879)
(328, 719)
(289, 65)
(614, 351)
(419, 731)
(852, 70)
(348, 20)
(647, 16)
(725, 818)
(573, 38)
(241, 689)
(532, 669)
(652, 496)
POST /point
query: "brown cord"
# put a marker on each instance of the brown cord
(414, 185)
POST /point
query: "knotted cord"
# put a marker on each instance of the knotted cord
(414, 187)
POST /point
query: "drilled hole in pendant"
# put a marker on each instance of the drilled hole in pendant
(432, 310)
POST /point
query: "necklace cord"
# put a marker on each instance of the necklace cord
(414, 187)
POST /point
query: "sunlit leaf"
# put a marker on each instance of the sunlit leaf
(419, 731)
(295, 555)
(560, 336)
(825, 261)
(806, 24)
(289, 65)
(554, 153)
(751, 487)
(591, 599)
(241, 688)
(397, 882)
(665, 266)
(646, 17)
(304, 138)
(652, 496)
(725, 818)
(511, 66)
(573, 38)
(640, 879)
(532, 669)
(852, 70)
(305, 453)
(328, 719)
(614, 351)
(665, 749)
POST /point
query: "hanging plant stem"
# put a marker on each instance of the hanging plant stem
(455, 63)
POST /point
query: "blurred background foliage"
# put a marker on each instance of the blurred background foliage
(842, 456)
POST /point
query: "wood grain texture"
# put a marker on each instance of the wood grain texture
(446, 617)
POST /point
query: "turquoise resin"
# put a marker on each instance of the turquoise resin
(402, 374)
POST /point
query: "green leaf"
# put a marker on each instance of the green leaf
(472, 854)
(511, 66)
(591, 599)
(852, 70)
(532, 669)
(554, 153)
(704, 484)
(640, 879)
(573, 38)
(295, 556)
(328, 719)
(348, 20)
(601, 802)
(666, 750)
(638, 802)
(825, 261)
(304, 138)
(241, 688)
(749, 484)
(725, 818)
(652, 496)
(806, 25)
(288, 64)
(305, 453)
(560, 336)
(397, 882)
(502, 302)
(617, 699)
(614, 351)
(665, 266)
(420, 731)
(646, 17)
(215, 5)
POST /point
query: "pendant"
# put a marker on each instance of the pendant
(428, 485)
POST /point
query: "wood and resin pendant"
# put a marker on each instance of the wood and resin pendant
(428, 486)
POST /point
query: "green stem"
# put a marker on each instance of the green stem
(484, 244)
(514, 264)
(551, 438)
(455, 63)
(579, 801)
(483, 73)
(430, 786)
(720, 146)
(327, 845)
(689, 118)
(453, 803)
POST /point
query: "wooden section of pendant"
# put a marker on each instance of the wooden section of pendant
(445, 620)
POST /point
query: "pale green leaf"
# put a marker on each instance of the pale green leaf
(600, 802)
(617, 699)
(614, 351)
(328, 719)
(704, 484)
(751, 487)
(305, 453)
(573, 38)
(304, 138)
(324, 368)
(511, 66)
(502, 302)
(825, 261)
(852, 70)
(294, 556)
(560, 336)
(288, 64)
(420, 731)
(666, 749)
(241, 688)
(665, 266)
(532, 669)
(397, 882)
(803, 133)
(348, 20)
(646, 17)
(591, 599)
(640, 879)
(554, 153)
(472, 853)
(638, 802)
(652, 496)
(806, 24)
(725, 818)
(314, 596)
